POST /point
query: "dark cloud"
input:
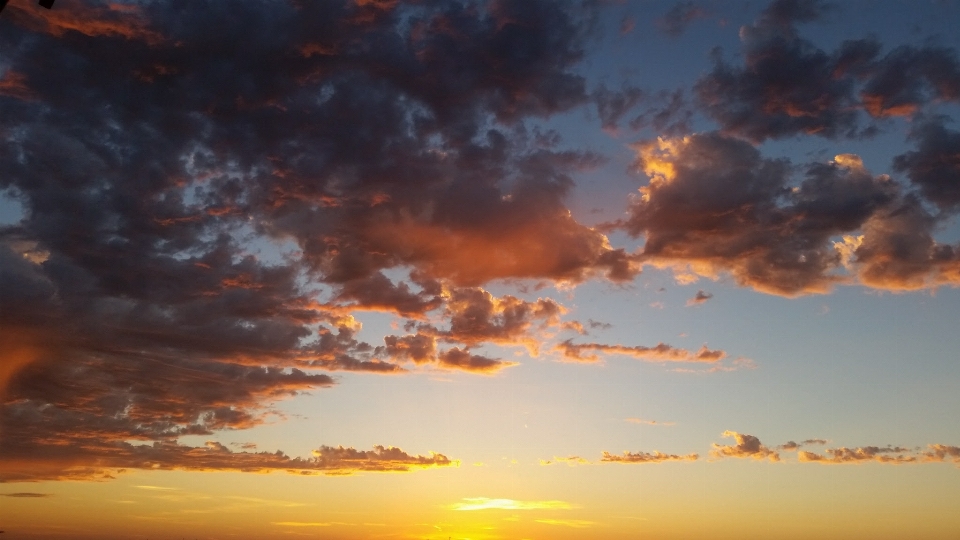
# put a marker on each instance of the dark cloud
(154, 145)
(461, 359)
(699, 298)
(612, 105)
(715, 205)
(670, 114)
(934, 166)
(908, 78)
(792, 446)
(788, 86)
(27, 495)
(676, 20)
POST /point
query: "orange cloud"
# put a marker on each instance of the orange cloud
(115, 458)
(482, 503)
(569, 460)
(942, 452)
(747, 446)
(111, 20)
(659, 353)
(645, 457)
(889, 454)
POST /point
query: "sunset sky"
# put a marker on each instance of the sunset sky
(480, 270)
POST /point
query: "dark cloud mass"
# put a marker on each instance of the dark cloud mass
(675, 21)
(152, 144)
(788, 86)
(934, 166)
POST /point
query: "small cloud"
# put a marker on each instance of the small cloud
(569, 460)
(700, 298)
(599, 325)
(301, 524)
(28, 495)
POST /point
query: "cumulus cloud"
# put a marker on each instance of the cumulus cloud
(359, 139)
(788, 86)
(715, 206)
(645, 457)
(934, 166)
(747, 446)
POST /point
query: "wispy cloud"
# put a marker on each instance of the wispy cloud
(648, 422)
(575, 523)
(646, 457)
(483, 503)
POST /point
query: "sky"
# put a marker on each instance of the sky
(479, 270)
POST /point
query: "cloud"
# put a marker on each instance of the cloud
(676, 20)
(787, 86)
(889, 454)
(791, 446)
(699, 298)
(659, 353)
(897, 250)
(648, 422)
(151, 165)
(612, 105)
(747, 446)
(933, 166)
(483, 503)
(644, 457)
(941, 452)
(27, 495)
(908, 78)
(457, 358)
(715, 206)
(97, 460)
(569, 460)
